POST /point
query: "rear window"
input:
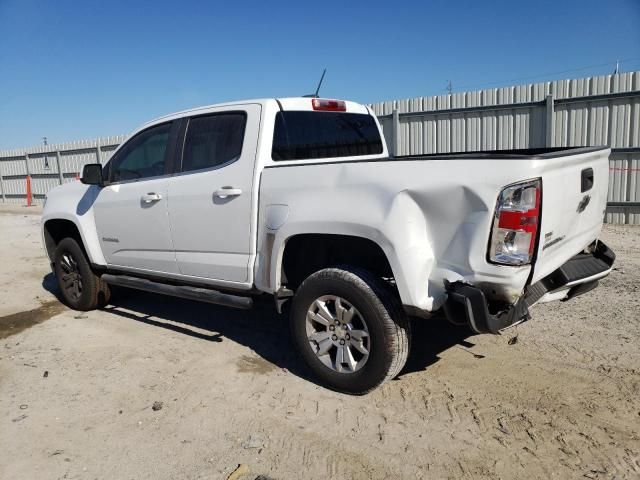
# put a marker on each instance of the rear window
(308, 135)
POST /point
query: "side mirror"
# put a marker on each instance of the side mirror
(92, 174)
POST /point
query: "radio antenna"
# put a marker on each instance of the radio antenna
(315, 95)
(320, 83)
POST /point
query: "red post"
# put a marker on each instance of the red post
(29, 199)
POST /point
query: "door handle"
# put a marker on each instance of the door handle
(586, 178)
(225, 192)
(151, 197)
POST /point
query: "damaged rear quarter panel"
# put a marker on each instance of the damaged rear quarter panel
(430, 217)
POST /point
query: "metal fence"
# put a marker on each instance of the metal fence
(602, 110)
(49, 166)
(591, 111)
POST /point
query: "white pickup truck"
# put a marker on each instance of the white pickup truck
(298, 198)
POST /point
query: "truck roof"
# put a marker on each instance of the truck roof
(286, 103)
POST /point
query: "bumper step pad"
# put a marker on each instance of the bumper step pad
(583, 265)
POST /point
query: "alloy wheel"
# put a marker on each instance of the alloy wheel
(71, 277)
(338, 334)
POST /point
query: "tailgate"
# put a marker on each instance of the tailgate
(574, 199)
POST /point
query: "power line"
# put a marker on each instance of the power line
(608, 64)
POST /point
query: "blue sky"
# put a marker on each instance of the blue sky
(73, 70)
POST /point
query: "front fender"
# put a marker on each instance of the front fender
(74, 202)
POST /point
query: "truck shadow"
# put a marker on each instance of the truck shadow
(431, 337)
(261, 329)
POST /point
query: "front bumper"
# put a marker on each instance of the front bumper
(577, 276)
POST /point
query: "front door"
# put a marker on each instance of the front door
(131, 212)
(211, 197)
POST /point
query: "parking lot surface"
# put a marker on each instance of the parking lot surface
(155, 387)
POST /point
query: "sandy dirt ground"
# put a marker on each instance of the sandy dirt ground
(558, 397)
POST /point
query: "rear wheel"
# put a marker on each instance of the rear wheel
(80, 287)
(350, 329)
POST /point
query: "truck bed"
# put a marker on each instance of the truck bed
(516, 153)
(433, 213)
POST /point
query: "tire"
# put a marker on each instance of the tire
(377, 310)
(80, 287)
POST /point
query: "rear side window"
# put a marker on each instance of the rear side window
(307, 135)
(213, 140)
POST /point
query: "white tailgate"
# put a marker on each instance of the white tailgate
(568, 225)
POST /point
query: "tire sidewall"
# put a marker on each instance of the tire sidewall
(71, 247)
(358, 293)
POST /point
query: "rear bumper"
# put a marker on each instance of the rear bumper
(577, 276)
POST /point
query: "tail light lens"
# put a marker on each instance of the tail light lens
(515, 224)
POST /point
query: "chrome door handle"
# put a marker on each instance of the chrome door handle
(225, 192)
(151, 197)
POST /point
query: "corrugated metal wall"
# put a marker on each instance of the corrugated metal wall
(602, 110)
(49, 166)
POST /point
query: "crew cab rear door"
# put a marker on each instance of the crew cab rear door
(211, 195)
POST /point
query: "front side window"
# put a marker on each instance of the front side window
(213, 140)
(307, 135)
(143, 156)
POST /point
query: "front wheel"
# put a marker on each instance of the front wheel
(350, 329)
(81, 289)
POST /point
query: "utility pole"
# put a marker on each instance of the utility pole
(46, 157)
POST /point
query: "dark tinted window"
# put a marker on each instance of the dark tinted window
(213, 140)
(299, 135)
(143, 156)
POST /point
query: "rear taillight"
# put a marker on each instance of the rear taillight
(328, 105)
(515, 224)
